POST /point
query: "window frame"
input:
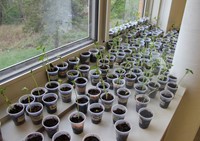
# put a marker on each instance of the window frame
(17, 70)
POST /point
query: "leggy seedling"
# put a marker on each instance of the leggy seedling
(187, 71)
(6, 99)
(26, 90)
(76, 95)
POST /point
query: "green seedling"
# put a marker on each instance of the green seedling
(26, 90)
(61, 60)
(34, 80)
(6, 99)
(76, 95)
(187, 71)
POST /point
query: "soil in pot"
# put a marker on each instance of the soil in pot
(49, 99)
(142, 99)
(172, 85)
(123, 127)
(52, 85)
(108, 97)
(124, 93)
(34, 137)
(26, 100)
(80, 81)
(34, 109)
(91, 138)
(119, 111)
(77, 119)
(96, 109)
(62, 138)
(65, 89)
(39, 92)
(14, 110)
(50, 122)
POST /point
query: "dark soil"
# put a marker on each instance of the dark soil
(142, 99)
(95, 73)
(76, 118)
(34, 109)
(120, 54)
(131, 76)
(140, 88)
(62, 138)
(65, 89)
(111, 76)
(136, 71)
(61, 65)
(34, 137)
(172, 85)
(153, 85)
(49, 99)
(123, 127)
(85, 53)
(103, 67)
(39, 92)
(172, 77)
(52, 69)
(167, 95)
(91, 138)
(127, 51)
(96, 109)
(25, 101)
(119, 111)
(72, 73)
(163, 78)
(146, 114)
(93, 91)
(104, 61)
(80, 81)
(52, 85)
(101, 86)
(124, 92)
(82, 100)
(83, 68)
(108, 97)
(15, 109)
(73, 60)
(118, 82)
(50, 122)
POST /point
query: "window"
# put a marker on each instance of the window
(123, 11)
(58, 25)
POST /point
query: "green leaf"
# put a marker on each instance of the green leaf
(189, 71)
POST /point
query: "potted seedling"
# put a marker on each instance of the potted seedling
(37, 92)
(35, 112)
(72, 75)
(162, 80)
(61, 136)
(27, 98)
(153, 88)
(110, 77)
(130, 79)
(80, 84)
(96, 111)
(34, 136)
(118, 112)
(51, 124)
(72, 62)
(62, 68)
(85, 57)
(15, 110)
(52, 71)
(93, 56)
(107, 98)
(118, 83)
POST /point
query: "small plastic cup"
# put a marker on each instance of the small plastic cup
(145, 117)
(165, 98)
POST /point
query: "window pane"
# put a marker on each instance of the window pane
(27, 24)
(123, 11)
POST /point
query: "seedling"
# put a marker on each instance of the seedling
(61, 60)
(76, 95)
(34, 80)
(187, 71)
(26, 90)
(6, 99)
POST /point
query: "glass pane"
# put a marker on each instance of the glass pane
(123, 11)
(28, 24)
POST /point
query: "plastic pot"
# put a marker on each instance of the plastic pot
(141, 101)
(94, 94)
(145, 117)
(165, 98)
(96, 111)
(80, 84)
(50, 101)
(122, 129)
(51, 124)
(107, 100)
(65, 92)
(118, 112)
(35, 112)
(16, 112)
(77, 120)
